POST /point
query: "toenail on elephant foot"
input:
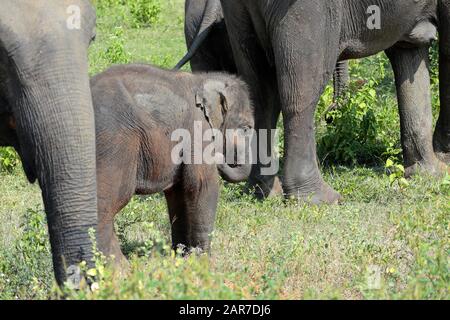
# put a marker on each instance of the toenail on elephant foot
(323, 195)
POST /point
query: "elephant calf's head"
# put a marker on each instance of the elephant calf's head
(228, 107)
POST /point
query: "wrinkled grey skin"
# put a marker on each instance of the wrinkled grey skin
(209, 47)
(287, 50)
(137, 109)
(420, 35)
(46, 114)
(341, 78)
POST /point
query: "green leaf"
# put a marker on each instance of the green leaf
(91, 272)
(392, 178)
(389, 163)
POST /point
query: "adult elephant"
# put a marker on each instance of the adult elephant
(45, 97)
(209, 49)
(287, 50)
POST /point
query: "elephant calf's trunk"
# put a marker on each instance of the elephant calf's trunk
(236, 173)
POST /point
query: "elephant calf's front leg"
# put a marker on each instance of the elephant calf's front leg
(192, 211)
(411, 68)
(116, 185)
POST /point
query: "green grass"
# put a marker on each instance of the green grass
(263, 250)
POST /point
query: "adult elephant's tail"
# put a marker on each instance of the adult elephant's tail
(210, 16)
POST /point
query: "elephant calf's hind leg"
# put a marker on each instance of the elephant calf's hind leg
(109, 243)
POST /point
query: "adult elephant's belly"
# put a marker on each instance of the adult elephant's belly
(422, 34)
(373, 41)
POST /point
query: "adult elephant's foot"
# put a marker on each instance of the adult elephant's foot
(435, 168)
(265, 187)
(323, 194)
(441, 144)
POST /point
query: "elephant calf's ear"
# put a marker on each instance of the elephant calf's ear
(223, 103)
(212, 95)
(199, 100)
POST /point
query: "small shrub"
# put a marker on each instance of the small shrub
(396, 174)
(9, 159)
(144, 13)
(116, 53)
(26, 268)
(364, 130)
(434, 73)
(355, 135)
(132, 13)
(107, 4)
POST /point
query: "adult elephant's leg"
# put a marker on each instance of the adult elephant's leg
(442, 133)
(411, 69)
(263, 178)
(254, 67)
(44, 74)
(303, 71)
(57, 139)
(441, 139)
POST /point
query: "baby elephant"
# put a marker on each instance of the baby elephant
(137, 110)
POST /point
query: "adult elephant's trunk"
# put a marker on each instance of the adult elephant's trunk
(442, 133)
(341, 77)
(55, 124)
(236, 173)
(210, 16)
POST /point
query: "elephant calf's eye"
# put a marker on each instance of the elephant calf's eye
(93, 36)
(246, 130)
